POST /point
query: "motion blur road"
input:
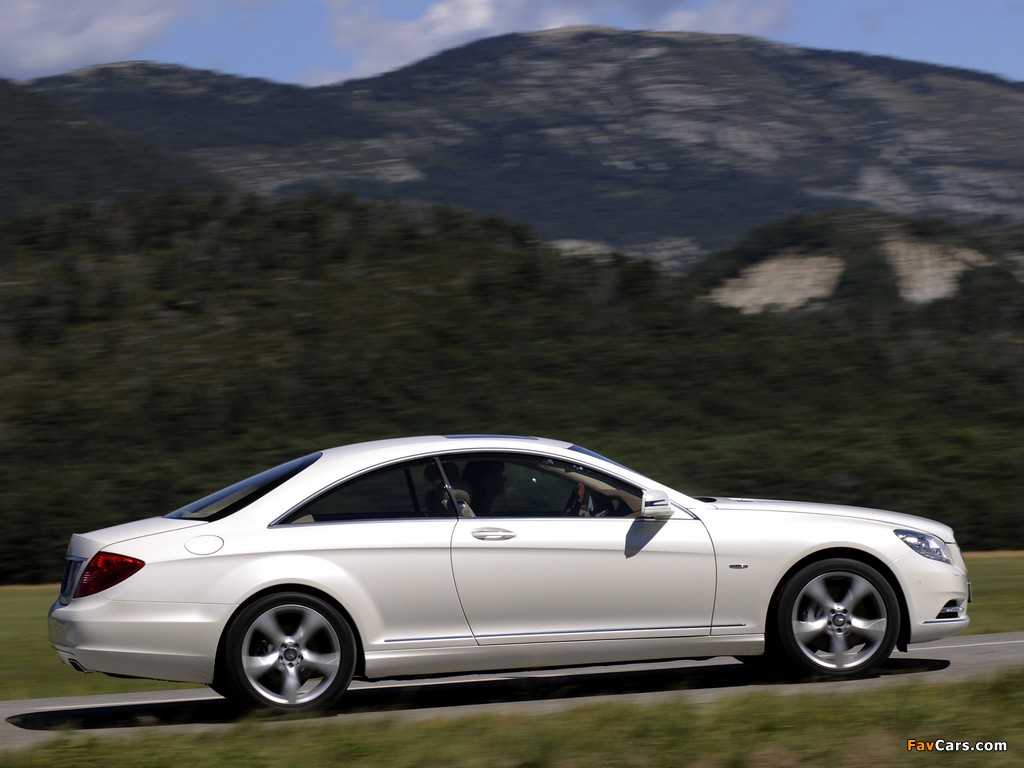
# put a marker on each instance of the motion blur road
(28, 722)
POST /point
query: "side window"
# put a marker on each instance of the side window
(521, 485)
(401, 491)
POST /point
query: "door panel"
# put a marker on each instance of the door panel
(526, 580)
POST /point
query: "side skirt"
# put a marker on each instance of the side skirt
(442, 661)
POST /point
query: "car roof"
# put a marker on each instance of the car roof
(337, 464)
(431, 444)
(345, 460)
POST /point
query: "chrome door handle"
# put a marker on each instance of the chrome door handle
(493, 534)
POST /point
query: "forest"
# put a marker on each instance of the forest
(157, 348)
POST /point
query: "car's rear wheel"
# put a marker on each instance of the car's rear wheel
(837, 618)
(289, 652)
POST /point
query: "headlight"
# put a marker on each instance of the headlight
(925, 544)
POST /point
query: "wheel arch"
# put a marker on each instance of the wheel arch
(902, 638)
(276, 589)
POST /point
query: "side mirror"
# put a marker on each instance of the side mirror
(656, 505)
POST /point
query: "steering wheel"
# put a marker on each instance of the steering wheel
(575, 501)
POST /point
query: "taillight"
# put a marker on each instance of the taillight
(104, 571)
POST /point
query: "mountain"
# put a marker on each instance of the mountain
(667, 145)
(51, 153)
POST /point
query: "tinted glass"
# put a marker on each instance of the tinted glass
(409, 490)
(233, 498)
(518, 485)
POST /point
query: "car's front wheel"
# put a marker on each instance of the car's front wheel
(289, 652)
(837, 618)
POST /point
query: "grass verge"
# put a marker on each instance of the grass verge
(868, 728)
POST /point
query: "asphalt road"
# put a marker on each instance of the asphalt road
(28, 722)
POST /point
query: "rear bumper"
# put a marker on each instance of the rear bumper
(163, 641)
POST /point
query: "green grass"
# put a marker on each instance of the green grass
(35, 672)
(997, 579)
(869, 728)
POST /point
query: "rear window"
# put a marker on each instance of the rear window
(229, 500)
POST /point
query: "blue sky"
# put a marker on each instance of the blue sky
(313, 42)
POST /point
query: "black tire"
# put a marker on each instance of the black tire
(290, 651)
(837, 618)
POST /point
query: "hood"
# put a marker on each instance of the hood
(86, 545)
(896, 519)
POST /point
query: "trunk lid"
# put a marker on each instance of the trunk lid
(83, 546)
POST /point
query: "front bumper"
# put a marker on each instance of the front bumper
(937, 595)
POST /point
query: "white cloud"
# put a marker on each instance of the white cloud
(39, 37)
(379, 42)
(746, 17)
(44, 36)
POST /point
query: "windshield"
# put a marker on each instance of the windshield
(228, 500)
(596, 455)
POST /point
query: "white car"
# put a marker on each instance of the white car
(456, 554)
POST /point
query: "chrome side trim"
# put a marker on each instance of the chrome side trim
(591, 631)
